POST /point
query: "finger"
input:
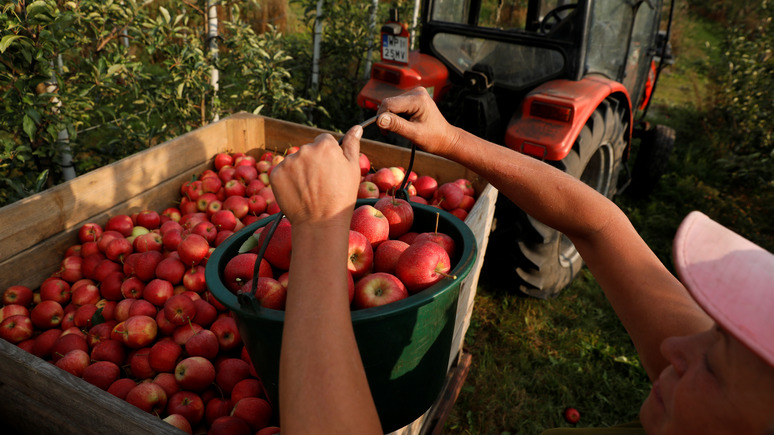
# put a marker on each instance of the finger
(351, 143)
(394, 123)
(408, 102)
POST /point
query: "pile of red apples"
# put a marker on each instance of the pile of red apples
(129, 310)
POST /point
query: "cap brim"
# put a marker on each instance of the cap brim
(731, 278)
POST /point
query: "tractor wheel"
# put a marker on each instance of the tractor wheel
(652, 159)
(546, 261)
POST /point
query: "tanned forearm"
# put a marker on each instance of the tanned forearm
(325, 355)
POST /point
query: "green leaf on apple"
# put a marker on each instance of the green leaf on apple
(249, 244)
(97, 318)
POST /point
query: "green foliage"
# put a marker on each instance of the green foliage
(256, 74)
(747, 100)
(133, 74)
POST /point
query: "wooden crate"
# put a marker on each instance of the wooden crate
(37, 230)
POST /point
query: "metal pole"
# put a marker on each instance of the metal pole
(212, 37)
(318, 25)
(371, 37)
(413, 33)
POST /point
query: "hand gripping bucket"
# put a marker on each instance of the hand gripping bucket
(405, 346)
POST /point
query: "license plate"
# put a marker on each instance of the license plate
(395, 48)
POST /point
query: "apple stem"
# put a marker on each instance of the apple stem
(437, 217)
(446, 275)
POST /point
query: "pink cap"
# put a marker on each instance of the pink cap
(731, 278)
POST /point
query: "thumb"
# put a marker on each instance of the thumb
(351, 143)
(394, 123)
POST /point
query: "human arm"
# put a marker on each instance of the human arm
(650, 301)
(323, 387)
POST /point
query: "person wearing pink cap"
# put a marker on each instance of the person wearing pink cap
(706, 340)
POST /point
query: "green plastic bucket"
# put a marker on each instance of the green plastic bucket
(404, 346)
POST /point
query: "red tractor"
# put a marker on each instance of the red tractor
(568, 82)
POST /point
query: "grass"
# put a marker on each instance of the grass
(533, 358)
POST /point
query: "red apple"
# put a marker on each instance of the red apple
(121, 223)
(74, 362)
(387, 254)
(378, 289)
(47, 314)
(181, 334)
(240, 269)
(194, 279)
(110, 286)
(367, 189)
(195, 373)
(89, 232)
(13, 310)
(237, 205)
(18, 294)
(192, 249)
(365, 164)
(269, 292)
(141, 307)
(360, 254)
(179, 309)
(16, 329)
(426, 186)
(225, 328)
(84, 315)
(421, 265)
(55, 289)
(229, 372)
(280, 246)
(86, 294)
(66, 343)
(121, 387)
(70, 269)
(164, 355)
(149, 397)
(385, 179)
(255, 411)
(139, 363)
(445, 240)
(101, 374)
(109, 350)
(44, 343)
(158, 291)
(140, 331)
(248, 387)
(448, 196)
(203, 343)
(370, 222)
(206, 313)
(222, 159)
(399, 214)
(188, 404)
(170, 269)
(179, 422)
(168, 382)
(132, 288)
(229, 425)
(148, 242)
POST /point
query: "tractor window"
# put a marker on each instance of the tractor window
(451, 11)
(514, 66)
(611, 23)
(503, 14)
